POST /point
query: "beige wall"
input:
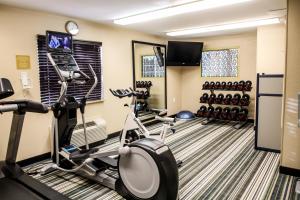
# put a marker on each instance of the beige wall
(174, 88)
(18, 36)
(191, 80)
(271, 47)
(291, 136)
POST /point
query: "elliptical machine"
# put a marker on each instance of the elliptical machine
(146, 167)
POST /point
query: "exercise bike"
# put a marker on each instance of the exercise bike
(133, 127)
(146, 167)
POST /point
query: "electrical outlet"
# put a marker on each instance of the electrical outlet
(174, 99)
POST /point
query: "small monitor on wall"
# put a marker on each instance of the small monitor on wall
(184, 53)
(59, 42)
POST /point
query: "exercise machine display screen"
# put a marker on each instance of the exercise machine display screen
(59, 42)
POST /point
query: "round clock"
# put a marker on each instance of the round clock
(72, 27)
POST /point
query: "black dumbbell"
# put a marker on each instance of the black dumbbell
(212, 99)
(225, 115)
(219, 98)
(227, 99)
(245, 100)
(235, 85)
(212, 85)
(243, 114)
(223, 85)
(236, 99)
(241, 85)
(147, 94)
(206, 85)
(142, 84)
(210, 111)
(143, 94)
(202, 111)
(204, 98)
(228, 85)
(234, 113)
(218, 112)
(149, 84)
(248, 85)
(138, 84)
(218, 85)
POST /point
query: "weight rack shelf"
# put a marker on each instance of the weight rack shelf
(229, 90)
(239, 123)
(221, 104)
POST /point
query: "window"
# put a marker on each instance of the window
(151, 68)
(84, 52)
(220, 63)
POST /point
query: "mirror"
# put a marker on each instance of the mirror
(149, 77)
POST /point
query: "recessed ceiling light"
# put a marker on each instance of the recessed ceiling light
(176, 10)
(232, 26)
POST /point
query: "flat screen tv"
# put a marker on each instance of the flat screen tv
(59, 42)
(184, 53)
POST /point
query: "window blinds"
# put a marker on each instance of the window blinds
(85, 53)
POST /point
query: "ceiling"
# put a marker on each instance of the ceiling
(104, 11)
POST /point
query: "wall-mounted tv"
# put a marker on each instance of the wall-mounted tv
(59, 42)
(184, 53)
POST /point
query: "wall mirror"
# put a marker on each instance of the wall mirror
(149, 77)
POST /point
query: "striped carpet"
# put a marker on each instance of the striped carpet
(219, 163)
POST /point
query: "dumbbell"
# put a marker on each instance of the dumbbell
(228, 85)
(248, 85)
(243, 114)
(223, 85)
(142, 84)
(148, 84)
(147, 94)
(241, 85)
(204, 98)
(218, 85)
(234, 113)
(217, 112)
(202, 111)
(235, 85)
(210, 111)
(138, 84)
(227, 99)
(245, 100)
(212, 85)
(236, 99)
(219, 98)
(212, 99)
(225, 113)
(206, 85)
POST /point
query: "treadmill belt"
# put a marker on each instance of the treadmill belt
(12, 190)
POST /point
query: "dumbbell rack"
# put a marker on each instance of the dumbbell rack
(239, 124)
(144, 99)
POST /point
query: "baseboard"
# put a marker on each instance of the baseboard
(251, 120)
(289, 171)
(34, 159)
(267, 149)
(113, 135)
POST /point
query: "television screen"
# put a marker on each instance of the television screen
(59, 42)
(184, 53)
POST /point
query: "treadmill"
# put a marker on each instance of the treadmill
(15, 184)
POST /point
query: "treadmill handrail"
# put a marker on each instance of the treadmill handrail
(23, 106)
